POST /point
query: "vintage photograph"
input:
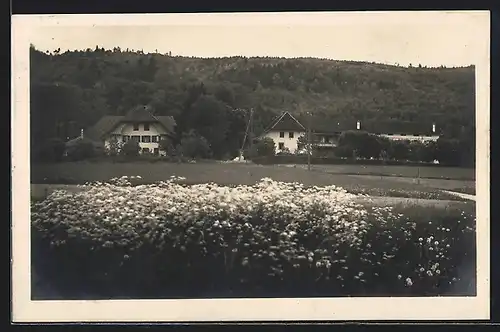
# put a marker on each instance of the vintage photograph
(274, 160)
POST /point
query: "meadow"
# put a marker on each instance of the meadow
(247, 174)
(126, 239)
(158, 230)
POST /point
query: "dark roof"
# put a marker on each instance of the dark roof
(327, 125)
(168, 122)
(109, 122)
(286, 122)
(103, 126)
(399, 127)
(139, 114)
(73, 142)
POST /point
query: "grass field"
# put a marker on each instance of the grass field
(427, 172)
(248, 174)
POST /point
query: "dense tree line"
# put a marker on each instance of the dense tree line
(210, 98)
(448, 151)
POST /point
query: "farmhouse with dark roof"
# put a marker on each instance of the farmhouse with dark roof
(286, 129)
(138, 124)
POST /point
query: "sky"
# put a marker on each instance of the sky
(426, 38)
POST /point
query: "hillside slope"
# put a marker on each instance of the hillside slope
(74, 89)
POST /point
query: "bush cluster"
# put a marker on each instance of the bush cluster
(269, 239)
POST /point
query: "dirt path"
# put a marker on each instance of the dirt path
(462, 195)
(392, 201)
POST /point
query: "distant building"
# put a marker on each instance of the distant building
(138, 124)
(285, 132)
(286, 129)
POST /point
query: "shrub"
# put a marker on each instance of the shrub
(270, 239)
(83, 149)
(166, 146)
(131, 148)
(194, 146)
(50, 151)
(114, 147)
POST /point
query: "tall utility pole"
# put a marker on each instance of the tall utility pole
(309, 141)
(250, 134)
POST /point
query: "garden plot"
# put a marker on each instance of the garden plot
(270, 239)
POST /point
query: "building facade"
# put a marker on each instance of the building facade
(286, 130)
(139, 125)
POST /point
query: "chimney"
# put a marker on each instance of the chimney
(358, 125)
(81, 133)
(433, 128)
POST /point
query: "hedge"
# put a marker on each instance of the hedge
(301, 159)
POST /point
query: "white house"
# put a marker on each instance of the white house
(285, 132)
(286, 129)
(139, 124)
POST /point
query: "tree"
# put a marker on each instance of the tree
(114, 147)
(84, 85)
(195, 146)
(209, 118)
(366, 145)
(166, 146)
(82, 149)
(51, 150)
(448, 151)
(400, 150)
(131, 148)
(264, 147)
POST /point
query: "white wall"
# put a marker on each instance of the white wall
(128, 130)
(290, 143)
(411, 138)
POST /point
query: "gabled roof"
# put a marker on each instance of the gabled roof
(73, 142)
(285, 122)
(141, 114)
(330, 125)
(103, 126)
(168, 122)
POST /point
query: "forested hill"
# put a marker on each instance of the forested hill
(74, 89)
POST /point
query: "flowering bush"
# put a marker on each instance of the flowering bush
(270, 239)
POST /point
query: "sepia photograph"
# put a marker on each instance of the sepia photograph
(205, 160)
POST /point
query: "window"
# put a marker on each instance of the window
(163, 137)
(282, 134)
(136, 138)
(154, 139)
(146, 127)
(290, 134)
(156, 151)
(403, 135)
(281, 145)
(145, 150)
(125, 138)
(146, 139)
(136, 126)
